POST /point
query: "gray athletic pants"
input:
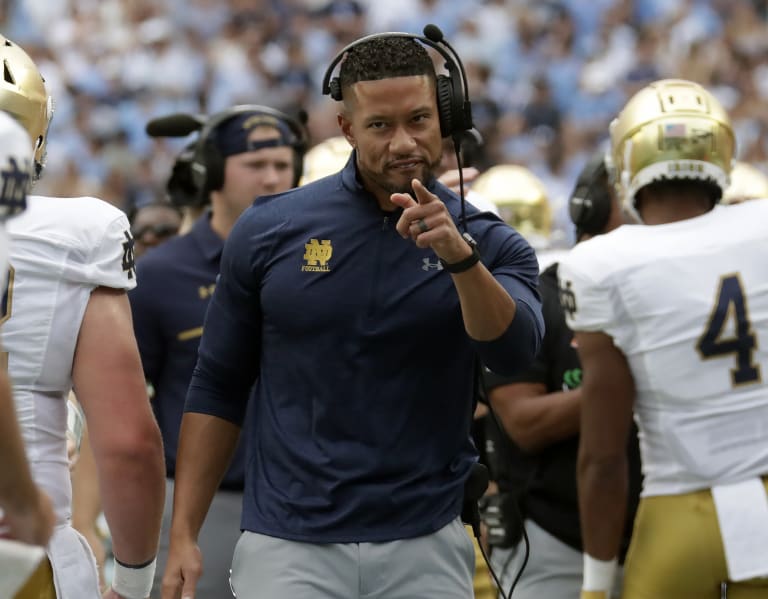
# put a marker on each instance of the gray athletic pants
(436, 566)
(217, 541)
(554, 569)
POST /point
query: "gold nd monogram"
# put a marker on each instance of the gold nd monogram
(317, 255)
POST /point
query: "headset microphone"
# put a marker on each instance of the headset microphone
(433, 32)
(175, 125)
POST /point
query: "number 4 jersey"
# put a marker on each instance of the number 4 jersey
(687, 303)
(61, 250)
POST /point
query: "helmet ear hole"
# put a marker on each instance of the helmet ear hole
(7, 75)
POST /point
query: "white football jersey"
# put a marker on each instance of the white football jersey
(687, 303)
(61, 250)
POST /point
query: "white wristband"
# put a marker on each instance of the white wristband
(598, 574)
(133, 583)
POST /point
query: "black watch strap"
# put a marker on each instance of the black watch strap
(468, 262)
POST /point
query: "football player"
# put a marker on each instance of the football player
(539, 409)
(68, 325)
(26, 513)
(671, 321)
(242, 153)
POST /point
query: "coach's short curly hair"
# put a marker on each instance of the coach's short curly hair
(383, 58)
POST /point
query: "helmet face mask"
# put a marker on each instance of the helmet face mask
(671, 129)
(24, 96)
(521, 199)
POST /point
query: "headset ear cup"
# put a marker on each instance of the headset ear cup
(335, 89)
(462, 121)
(577, 206)
(214, 168)
(445, 105)
(590, 215)
(198, 171)
(600, 212)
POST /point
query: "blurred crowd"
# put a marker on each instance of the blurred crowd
(545, 76)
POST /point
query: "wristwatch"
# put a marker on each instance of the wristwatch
(468, 262)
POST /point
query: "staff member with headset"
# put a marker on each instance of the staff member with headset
(241, 153)
(540, 410)
(358, 312)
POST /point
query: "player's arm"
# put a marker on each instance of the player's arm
(126, 442)
(199, 470)
(507, 332)
(606, 414)
(534, 418)
(28, 514)
(210, 429)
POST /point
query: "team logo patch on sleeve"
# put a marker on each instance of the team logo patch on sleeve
(129, 260)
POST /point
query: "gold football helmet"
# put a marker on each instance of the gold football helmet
(23, 95)
(325, 158)
(747, 183)
(670, 129)
(521, 199)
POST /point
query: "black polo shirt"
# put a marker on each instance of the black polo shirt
(176, 280)
(551, 498)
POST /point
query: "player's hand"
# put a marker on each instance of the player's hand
(429, 224)
(451, 178)
(33, 523)
(184, 568)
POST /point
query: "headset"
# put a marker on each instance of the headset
(591, 200)
(207, 163)
(180, 187)
(453, 105)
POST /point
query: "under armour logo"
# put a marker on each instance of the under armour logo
(427, 265)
